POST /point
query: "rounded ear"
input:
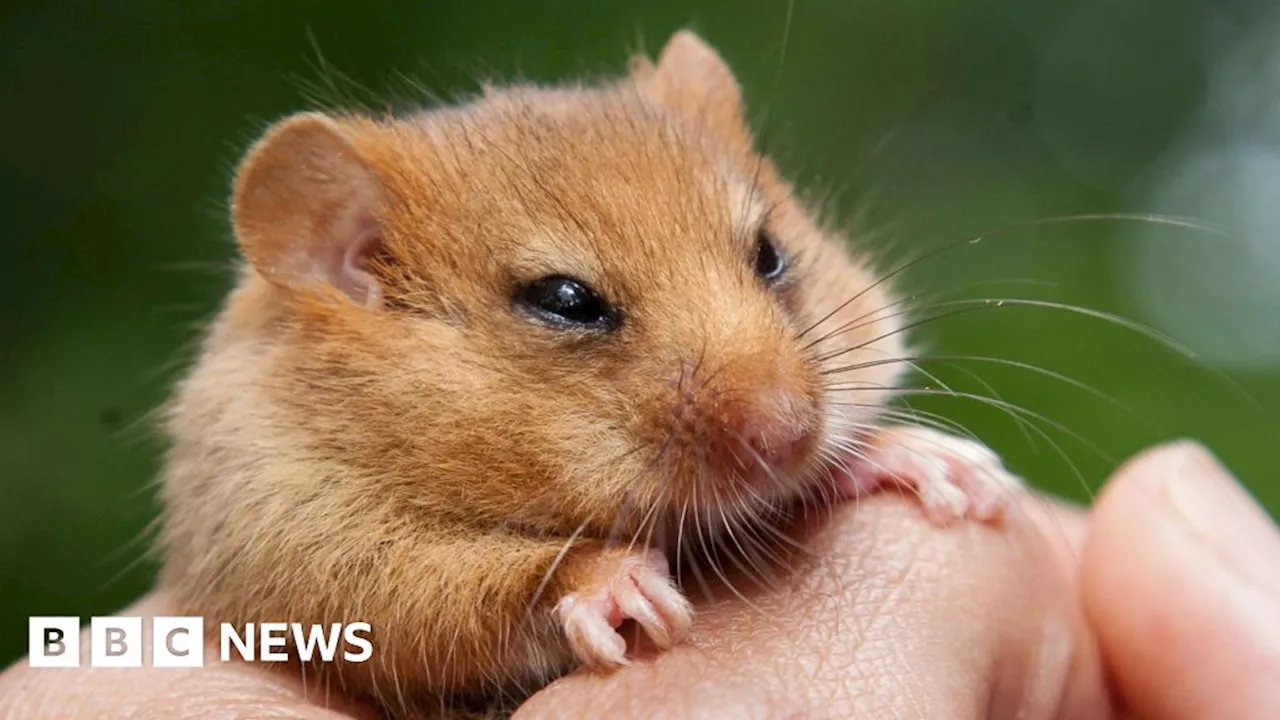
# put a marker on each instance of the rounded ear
(305, 208)
(692, 79)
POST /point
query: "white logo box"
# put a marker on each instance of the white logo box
(54, 641)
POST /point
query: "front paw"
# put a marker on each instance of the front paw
(953, 477)
(618, 587)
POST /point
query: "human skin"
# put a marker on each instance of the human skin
(1181, 579)
(1173, 576)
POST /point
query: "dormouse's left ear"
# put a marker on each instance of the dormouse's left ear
(692, 79)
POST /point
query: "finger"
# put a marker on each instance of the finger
(1063, 526)
(1182, 580)
(218, 690)
(890, 617)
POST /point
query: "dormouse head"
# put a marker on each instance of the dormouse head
(578, 306)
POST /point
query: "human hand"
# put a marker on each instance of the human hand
(1177, 568)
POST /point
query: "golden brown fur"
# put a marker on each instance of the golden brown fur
(420, 459)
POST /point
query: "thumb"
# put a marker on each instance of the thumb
(1181, 580)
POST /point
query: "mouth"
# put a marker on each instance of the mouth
(761, 479)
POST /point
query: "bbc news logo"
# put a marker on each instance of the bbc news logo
(180, 642)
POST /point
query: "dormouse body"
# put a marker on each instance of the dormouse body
(487, 365)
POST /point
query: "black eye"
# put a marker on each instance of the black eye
(565, 300)
(769, 261)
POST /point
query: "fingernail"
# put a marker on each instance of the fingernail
(1222, 515)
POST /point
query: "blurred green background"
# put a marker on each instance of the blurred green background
(926, 121)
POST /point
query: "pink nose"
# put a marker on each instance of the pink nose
(769, 427)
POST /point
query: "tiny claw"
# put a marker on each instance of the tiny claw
(953, 477)
(622, 587)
